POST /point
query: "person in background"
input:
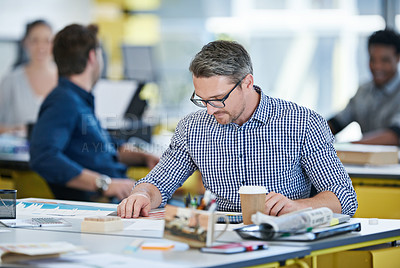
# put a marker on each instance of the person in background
(244, 137)
(375, 106)
(23, 90)
(68, 147)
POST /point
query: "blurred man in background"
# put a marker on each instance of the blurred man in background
(68, 146)
(375, 106)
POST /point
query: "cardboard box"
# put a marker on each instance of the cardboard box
(362, 154)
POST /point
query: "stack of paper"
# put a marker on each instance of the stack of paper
(363, 154)
(30, 251)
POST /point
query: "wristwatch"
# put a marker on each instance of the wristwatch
(102, 183)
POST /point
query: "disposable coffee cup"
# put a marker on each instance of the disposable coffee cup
(8, 204)
(252, 199)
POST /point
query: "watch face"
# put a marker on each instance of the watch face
(102, 182)
(99, 183)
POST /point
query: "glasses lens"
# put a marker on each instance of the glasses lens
(216, 104)
(199, 103)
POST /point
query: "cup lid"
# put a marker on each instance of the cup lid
(252, 190)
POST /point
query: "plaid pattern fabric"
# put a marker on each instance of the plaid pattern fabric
(283, 146)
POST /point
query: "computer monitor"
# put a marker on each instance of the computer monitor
(112, 98)
(139, 63)
(119, 108)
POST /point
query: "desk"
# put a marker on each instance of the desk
(280, 253)
(378, 190)
(98, 243)
(385, 172)
(115, 243)
(386, 231)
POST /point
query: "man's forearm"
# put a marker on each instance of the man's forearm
(85, 181)
(131, 156)
(151, 191)
(323, 199)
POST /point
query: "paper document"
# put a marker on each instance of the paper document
(295, 222)
(154, 214)
(15, 252)
(43, 209)
(144, 224)
(302, 225)
(106, 260)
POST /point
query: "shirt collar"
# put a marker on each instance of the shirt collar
(391, 86)
(83, 94)
(261, 113)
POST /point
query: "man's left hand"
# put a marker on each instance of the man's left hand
(278, 204)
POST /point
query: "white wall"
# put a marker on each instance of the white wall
(14, 14)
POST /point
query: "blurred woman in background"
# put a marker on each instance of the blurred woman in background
(24, 88)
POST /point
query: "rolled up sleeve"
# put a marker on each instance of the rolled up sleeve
(323, 166)
(175, 165)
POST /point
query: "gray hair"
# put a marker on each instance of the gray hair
(226, 58)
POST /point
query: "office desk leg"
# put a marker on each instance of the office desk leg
(268, 265)
(300, 263)
(314, 261)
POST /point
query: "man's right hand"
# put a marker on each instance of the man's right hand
(136, 204)
(120, 188)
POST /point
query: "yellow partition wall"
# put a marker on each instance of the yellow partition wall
(377, 198)
(131, 22)
(27, 183)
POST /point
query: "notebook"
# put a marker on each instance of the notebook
(262, 233)
(323, 232)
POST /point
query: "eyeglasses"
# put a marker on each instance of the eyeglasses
(217, 103)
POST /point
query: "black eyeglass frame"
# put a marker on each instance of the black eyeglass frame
(203, 103)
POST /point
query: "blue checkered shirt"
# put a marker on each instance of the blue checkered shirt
(283, 146)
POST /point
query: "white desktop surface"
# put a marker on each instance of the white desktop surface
(370, 171)
(100, 243)
(115, 243)
(386, 228)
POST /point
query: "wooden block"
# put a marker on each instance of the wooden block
(102, 224)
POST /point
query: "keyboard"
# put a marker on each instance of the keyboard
(36, 222)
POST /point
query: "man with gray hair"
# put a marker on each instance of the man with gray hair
(245, 137)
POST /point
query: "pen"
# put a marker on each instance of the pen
(157, 246)
(187, 200)
(193, 203)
